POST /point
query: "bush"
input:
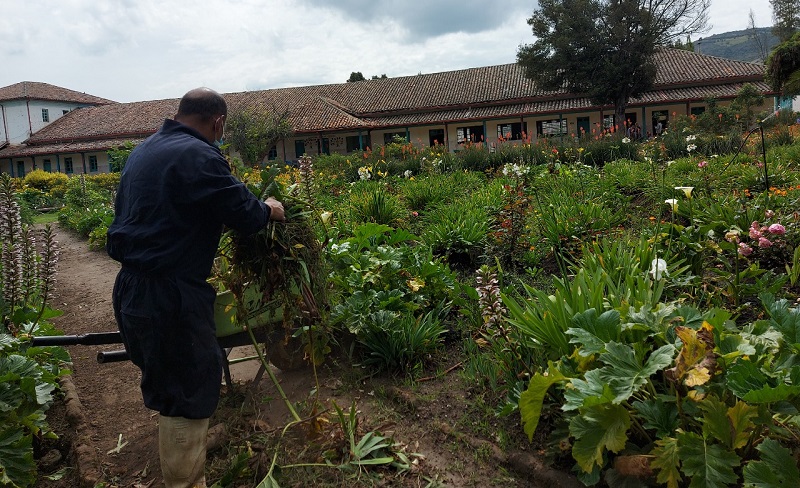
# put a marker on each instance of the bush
(44, 180)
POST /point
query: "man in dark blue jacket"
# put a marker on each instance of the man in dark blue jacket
(176, 192)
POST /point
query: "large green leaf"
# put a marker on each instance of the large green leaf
(776, 469)
(597, 428)
(745, 376)
(589, 390)
(708, 465)
(624, 372)
(530, 400)
(784, 318)
(592, 332)
(731, 426)
(16, 458)
(658, 415)
(667, 461)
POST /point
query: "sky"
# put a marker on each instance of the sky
(134, 50)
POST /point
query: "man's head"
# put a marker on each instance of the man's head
(204, 110)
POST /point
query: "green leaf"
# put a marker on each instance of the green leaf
(741, 423)
(530, 400)
(667, 461)
(596, 429)
(745, 376)
(17, 467)
(658, 415)
(707, 465)
(776, 469)
(772, 394)
(592, 389)
(623, 371)
(592, 332)
(715, 420)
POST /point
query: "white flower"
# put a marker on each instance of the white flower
(515, 170)
(691, 137)
(691, 147)
(407, 174)
(364, 173)
(670, 163)
(687, 190)
(625, 140)
(672, 203)
(658, 269)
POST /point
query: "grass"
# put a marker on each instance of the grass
(45, 218)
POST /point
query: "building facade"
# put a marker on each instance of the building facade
(492, 105)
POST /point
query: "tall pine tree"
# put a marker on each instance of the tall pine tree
(786, 18)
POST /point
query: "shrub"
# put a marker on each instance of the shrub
(44, 180)
(457, 232)
(378, 206)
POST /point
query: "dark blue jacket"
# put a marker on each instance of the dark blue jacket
(175, 194)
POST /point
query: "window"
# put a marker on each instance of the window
(45, 115)
(436, 136)
(472, 133)
(273, 153)
(550, 128)
(93, 164)
(299, 148)
(660, 121)
(609, 121)
(697, 111)
(68, 166)
(326, 145)
(388, 137)
(584, 126)
(20, 169)
(512, 132)
(352, 143)
(47, 166)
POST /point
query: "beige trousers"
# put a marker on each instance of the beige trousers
(182, 451)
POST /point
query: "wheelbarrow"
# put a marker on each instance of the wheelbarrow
(264, 320)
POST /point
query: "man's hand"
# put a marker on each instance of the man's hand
(276, 209)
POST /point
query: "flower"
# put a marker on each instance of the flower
(407, 174)
(777, 229)
(702, 164)
(691, 137)
(744, 249)
(625, 140)
(764, 242)
(672, 203)
(755, 231)
(658, 269)
(363, 173)
(691, 147)
(769, 213)
(687, 190)
(732, 235)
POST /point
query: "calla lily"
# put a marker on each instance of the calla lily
(658, 269)
(672, 203)
(687, 190)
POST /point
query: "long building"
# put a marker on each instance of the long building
(488, 104)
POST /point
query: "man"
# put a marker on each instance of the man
(175, 194)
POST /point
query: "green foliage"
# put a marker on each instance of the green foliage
(457, 232)
(253, 131)
(397, 341)
(777, 467)
(376, 205)
(118, 156)
(44, 180)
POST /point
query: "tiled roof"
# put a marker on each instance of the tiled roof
(17, 151)
(32, 90)
(474, 93)
(107, 121)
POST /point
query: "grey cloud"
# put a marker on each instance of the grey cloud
(427, 19)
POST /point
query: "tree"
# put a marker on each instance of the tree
(356, 76)
(605, 49)
(783, 66)
(786, 17)
(253, 132)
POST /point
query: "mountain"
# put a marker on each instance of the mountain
(752, 45)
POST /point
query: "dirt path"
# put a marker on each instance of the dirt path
(435, 418)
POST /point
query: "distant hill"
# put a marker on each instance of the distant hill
(752, 45)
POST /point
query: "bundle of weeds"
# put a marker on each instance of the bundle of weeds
(283, 261)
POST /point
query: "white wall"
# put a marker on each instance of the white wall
(16, 125)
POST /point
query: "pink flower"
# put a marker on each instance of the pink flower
(777, 229)
(769, 214)
(754, 232)
(744, 249)
(702, 164)
(764, 242)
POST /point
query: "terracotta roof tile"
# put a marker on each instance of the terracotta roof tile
(32, 90)
(474, 93)
(16, 151)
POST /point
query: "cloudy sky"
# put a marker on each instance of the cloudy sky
(131, 50)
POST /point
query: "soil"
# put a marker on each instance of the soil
(107, 438)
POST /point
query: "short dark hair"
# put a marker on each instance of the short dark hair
(203, 102)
